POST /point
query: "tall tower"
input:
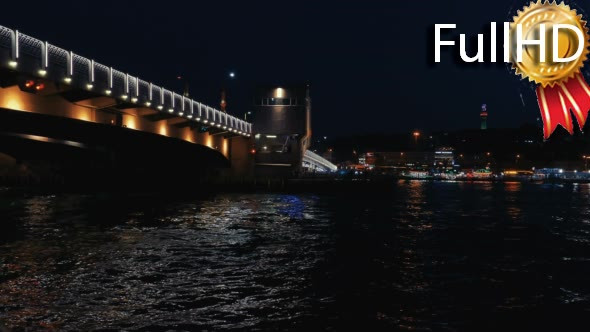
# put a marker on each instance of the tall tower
(484, 117)
(281, 118)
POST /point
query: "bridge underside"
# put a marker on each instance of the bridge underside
(64, 149)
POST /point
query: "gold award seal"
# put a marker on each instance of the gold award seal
(548, 73)
(561, 86)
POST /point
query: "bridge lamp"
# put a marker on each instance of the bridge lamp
(89, 86)
(189, 116)
(218, 125)
(124, 97)
(160, 107)
(68, 80)
(12, 64)
(205, 121)
(42, 72)
(108, 92)
(134, 100)
(148, 104)
(198, 119)
(180, 114)
(224, 127)
(171, 110)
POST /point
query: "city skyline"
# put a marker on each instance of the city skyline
(352, 68)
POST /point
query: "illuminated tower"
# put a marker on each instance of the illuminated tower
(484, 117)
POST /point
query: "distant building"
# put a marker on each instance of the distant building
(444, 158)
(484, 117)
(363, 159)
(399, 160)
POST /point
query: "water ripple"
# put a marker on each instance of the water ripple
(428, 256)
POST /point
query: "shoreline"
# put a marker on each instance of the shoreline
(312, 185)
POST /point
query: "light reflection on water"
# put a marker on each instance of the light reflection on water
(429, 255)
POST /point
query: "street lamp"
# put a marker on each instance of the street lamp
(223, 102)
(416, 136)
(185, 85)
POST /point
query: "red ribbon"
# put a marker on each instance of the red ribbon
(556, 102)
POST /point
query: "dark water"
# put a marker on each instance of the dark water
(429, 256)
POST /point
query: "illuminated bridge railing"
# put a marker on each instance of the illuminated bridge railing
(316, 162)
(39, 58)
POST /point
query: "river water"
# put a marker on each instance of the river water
(426, 256)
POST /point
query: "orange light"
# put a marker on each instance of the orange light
(224, 147)
(253, 151)
(29, 83)
(40, 86)
(162, 129)
(129, 122)
(416, 133)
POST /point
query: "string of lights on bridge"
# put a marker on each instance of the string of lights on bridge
(57, 64)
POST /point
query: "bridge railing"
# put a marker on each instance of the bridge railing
(319, 162)
(35, 57)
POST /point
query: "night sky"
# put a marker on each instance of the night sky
(368, 62)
